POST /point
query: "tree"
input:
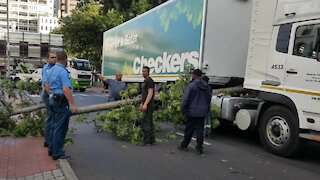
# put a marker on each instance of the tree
(83, 31)
(130, 8)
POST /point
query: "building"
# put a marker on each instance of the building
(24, 14)
(64, 7)
(47, 24)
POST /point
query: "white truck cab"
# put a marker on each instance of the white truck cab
(283, 69)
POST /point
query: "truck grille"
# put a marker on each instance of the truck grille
(84, 83)
(84, 76)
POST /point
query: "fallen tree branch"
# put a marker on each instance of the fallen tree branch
(106, 106)
(83, 110)
(28, 109)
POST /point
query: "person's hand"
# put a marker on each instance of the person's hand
(74, 109)
(143, 107)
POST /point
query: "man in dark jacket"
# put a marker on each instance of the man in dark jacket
(195, 106)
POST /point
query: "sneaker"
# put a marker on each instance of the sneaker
(185, 149)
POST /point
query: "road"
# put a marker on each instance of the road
(232, 155)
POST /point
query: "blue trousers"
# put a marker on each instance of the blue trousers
(48, 123)
(61, 115)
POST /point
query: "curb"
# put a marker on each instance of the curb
(67, 170)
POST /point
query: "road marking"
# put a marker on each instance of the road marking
(194, 139)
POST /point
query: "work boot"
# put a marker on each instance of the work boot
(185, 149)
(60, 157)
(45, 144)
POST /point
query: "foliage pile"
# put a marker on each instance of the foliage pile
(124, 121)
(170, 98)
(30, 124)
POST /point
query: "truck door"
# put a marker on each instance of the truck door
(302, 72)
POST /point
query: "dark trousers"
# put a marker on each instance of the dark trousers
(191, 124)
(48, 123)
(147, 126)
(61, 115)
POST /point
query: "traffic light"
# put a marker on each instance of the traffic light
(24, 49)
(44, 49)
(3, 48)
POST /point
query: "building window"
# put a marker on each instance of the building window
(41, 27)
(46, 28)
(50, 21)
(46, 20)
(307, 41)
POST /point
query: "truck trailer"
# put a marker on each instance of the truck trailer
(270, 47)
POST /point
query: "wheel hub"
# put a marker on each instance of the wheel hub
(278, 131)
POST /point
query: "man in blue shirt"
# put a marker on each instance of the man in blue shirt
(115, 86)
(60, 98)
(45, 96)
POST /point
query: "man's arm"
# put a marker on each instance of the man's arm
(70, 99)
(45, 81)
(149, 97)
(46, 88)
(186, 100)
(99, 76)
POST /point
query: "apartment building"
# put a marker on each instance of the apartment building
(64, 7)
(47, 24)
(24, 15)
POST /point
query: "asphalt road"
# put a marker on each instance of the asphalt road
(233, 154)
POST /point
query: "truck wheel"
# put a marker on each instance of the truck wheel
(279, 131)
(82, 89)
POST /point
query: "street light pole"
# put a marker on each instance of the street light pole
(8, 44)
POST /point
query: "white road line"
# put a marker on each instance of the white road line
(194, 139)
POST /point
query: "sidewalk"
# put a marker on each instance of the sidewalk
(26, 158)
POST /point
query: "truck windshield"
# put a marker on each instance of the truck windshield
(84, 66)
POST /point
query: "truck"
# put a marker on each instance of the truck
(81, 73)
(269, 48)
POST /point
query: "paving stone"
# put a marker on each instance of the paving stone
(39, 178)
(57, 173)
(47, 173)
(39, 174)
(11, 179)
(48, 177)
(3, 178)
(21, 178)
(30, 178)
(61, 178)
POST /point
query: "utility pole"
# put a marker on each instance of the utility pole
(8, 43)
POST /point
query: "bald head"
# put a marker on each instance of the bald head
(62, 58)
(118, 76)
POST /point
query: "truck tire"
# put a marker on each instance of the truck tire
(82, 89)
(279, 131)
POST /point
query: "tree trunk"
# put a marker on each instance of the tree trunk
(83, 110)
